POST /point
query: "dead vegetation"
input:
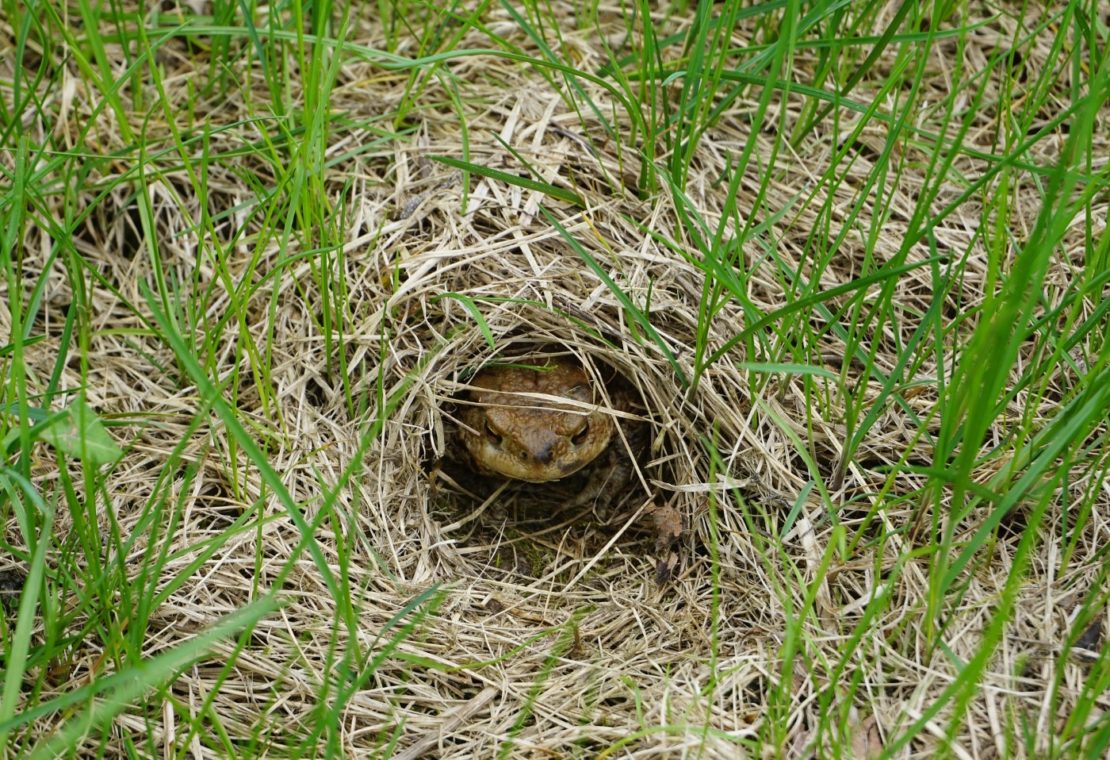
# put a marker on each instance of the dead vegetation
(549, 630)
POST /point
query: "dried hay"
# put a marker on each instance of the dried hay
(551, 628)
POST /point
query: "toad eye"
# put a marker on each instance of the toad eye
(580, 437)
(492, 434)
(581, 392)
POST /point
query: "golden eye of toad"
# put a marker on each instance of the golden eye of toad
(492, 434)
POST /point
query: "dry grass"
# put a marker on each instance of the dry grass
(549, 635)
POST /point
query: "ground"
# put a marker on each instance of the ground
(868, 332)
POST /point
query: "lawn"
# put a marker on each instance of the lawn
(850, 259)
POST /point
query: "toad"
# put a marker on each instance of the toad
(541, 424)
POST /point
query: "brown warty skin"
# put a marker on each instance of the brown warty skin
(537, 425)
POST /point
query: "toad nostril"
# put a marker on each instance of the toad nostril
(544, 455)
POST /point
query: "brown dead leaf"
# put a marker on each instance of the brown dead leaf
(867, 741)
(667, 523)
